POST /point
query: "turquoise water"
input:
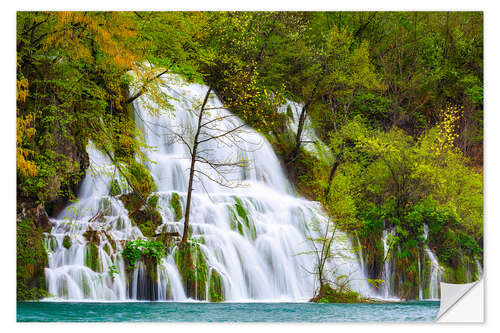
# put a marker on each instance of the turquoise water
(225, 312)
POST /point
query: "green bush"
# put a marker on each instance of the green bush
(138, 248)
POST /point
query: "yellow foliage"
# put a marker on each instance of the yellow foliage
(99, 38)
(22, 90)
(24, 132)
(447, 129)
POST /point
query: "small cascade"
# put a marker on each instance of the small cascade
(435, 274)
(253, 237)
(436, 271)
(360, 255)
(387, 288)
(430, 272)
(420, 291)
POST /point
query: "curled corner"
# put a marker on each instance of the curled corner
(462, 303)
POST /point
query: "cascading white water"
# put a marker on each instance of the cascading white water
(386, 289)
(429, 271)
(436, 272)
(262, 257)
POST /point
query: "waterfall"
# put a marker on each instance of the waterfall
(262, 255)
(436, 271)
(387, 287)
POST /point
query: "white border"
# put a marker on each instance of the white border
(8, 175)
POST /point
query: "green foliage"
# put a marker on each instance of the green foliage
(31, 261)
(114, 189)
(113, 271)
(140, 248)
(153, 201)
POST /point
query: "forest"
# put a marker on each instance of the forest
(395, 100)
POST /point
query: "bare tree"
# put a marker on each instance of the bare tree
(331, 256)
(208, 127)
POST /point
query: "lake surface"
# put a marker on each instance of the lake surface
(224, 312)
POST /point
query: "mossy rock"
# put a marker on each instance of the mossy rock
(215, 292)
(289, 112)
(175, 203)
(131, 202)
(140, 178)
(50, 243)
(193, 268)
(147, 219)
(31, 261)
(167, 239)
(66, 242)
(111, 241)
(92, 257)
(327, 294)
(92, 236)
(406, 279)
(240, 221)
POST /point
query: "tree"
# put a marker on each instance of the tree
(329, 250)
(338, 69)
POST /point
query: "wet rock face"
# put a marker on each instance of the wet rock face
(26, 210)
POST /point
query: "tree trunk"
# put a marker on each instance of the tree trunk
(298, 137)
(333, 171)
(300, 127)
(192, 169)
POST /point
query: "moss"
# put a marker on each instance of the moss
(67, 242)
(192, 265)
(153, 201)
(108, 249)
(31, 261)
(91, 236)
(92, 257)
(147, 219)
(167, 239)
(327, 294)
(50, 243)
(215, 292)
(105, 207)
(111, 241)
(151, 267)
(131, 202)
(140, 178)
(240, 220)
(175, 203)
